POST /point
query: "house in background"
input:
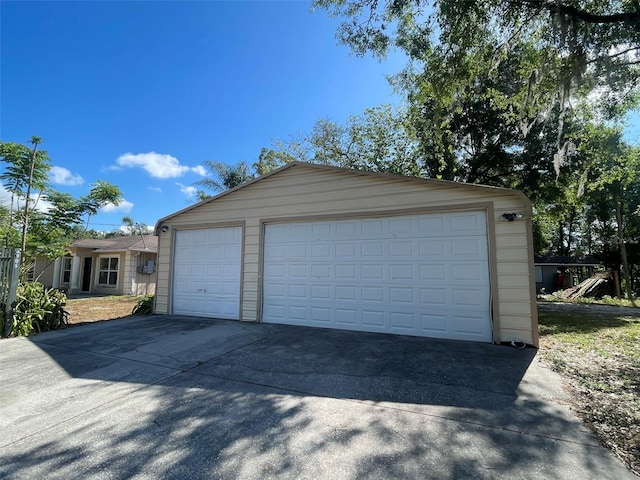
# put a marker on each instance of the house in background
(115, 266)
(555, 273)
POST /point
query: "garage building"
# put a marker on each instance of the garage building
(328, 247)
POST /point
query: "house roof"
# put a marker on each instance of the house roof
(558, 260)
(118, 244)
(346, 171)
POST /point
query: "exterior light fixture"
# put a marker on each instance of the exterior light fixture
(510, 217)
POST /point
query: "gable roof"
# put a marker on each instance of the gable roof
(345, 171)
(119, 244)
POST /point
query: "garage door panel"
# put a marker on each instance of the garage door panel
(464, 272)
(372, 294)
(372, 249)
(346, 317)
(466, 222)
(321, 271)
(321, 292)
(432, 247)
(207, 266)
(398, 248)
(373, 319)
(372, 271)
(346, 250)
(468, 248)
(321, 251)
(408, 274)
(470, 324)
(471, 297)
(434, 324)
(321, 314)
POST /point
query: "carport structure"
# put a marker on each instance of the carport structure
(313, 245)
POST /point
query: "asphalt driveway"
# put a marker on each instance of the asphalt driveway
(178, 397)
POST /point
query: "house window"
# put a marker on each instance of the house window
(65, 274)
(108, 271)
(31, 272)
(538, 270)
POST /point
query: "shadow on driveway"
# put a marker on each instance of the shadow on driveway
(179, 397)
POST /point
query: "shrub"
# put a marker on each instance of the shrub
(144, 306)
(38, 309)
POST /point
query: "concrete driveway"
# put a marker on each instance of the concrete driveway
(178, 397)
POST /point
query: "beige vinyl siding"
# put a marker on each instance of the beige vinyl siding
(303, 192)
(142, 283)
(43, 271)
(126, 270)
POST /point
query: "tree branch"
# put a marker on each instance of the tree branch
(632, 18)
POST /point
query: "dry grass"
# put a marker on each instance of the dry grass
(599, 357)
(97, 309)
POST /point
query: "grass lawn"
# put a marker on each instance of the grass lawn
(599, 356)
(606, 300)
(96, 309)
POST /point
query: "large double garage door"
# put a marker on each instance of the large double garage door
(424, 275)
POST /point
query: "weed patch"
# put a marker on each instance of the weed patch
(599, 356)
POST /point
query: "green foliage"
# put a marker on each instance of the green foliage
(270, 159)
(144, 306)
(491, 85)
(17, 171)
(101, 194)
(129, 227)
(380, 140)
(26, 172)
(605, 300)
(46, 233)
(586, 45)
(38, 309)
(223, 177)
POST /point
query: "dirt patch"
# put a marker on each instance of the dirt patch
(97, 309)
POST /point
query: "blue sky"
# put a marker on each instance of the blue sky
(141, 93)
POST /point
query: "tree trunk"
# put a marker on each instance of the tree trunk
(25, 222)
(572, 219)
(623, 248)
(560, 237)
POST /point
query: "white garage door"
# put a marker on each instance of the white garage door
(206, 272)
(424, 275)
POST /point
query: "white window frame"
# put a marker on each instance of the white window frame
(64, 270)
(110, 270)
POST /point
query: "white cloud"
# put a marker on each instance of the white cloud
(62, 176)
(200, 170)
(189, 191)
(18, 202)
(5, 197)
(156, 164)
(155, 189)
(124, 206)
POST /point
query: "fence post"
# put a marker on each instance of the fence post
(14, 273)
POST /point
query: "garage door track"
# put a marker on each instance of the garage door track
(180, 397)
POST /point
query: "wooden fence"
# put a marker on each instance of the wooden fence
(9, 272)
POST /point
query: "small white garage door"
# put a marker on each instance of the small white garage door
(423, 275)
(206, 272)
